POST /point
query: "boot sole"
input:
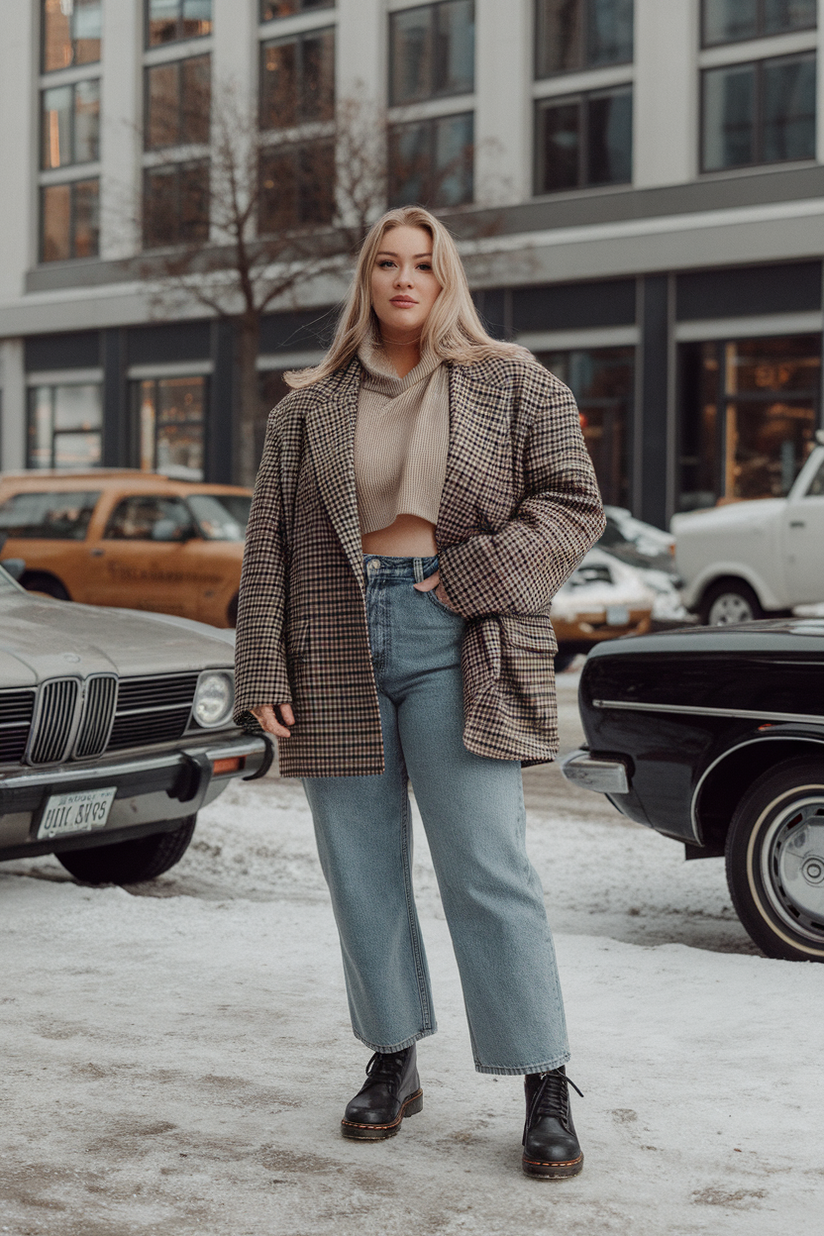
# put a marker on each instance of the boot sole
(553, 1171)
(380, 1132)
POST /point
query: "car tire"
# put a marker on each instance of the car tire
(37, 581)
(775, 860)
(129, 862)
(729, 601)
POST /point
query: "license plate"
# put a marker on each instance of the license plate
(78, 811)
(617, 615)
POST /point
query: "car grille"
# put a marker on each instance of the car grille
(55, 719)
(16, 711)
(151, 710)
(98, 712)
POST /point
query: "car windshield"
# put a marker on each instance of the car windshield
(221, 517)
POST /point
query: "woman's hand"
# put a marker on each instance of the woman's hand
(434, 581)
(267, 715)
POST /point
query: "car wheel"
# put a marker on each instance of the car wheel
(128, 862)
(36, 581)
(729, 601)
(775, 861)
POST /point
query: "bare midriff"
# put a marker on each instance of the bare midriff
(408, 537)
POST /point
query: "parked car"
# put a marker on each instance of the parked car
(714, 736)
(749, 559)
(605, 598)
(128, 538)
(115, 729)
(637, 543)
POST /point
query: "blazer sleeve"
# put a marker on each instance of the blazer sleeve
(261, 675)
(519, 568)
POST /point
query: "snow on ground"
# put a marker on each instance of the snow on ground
(177, 1055)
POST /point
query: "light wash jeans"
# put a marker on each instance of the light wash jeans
(472, 809)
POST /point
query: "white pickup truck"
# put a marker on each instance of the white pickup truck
(749, 559)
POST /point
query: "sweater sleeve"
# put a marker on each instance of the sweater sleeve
(519, 568)
(261, 675)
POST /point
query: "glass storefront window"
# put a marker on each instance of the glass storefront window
(168, 21)
(169, 416)
(750, 409)
(579, 34)
(71, 33)
(64, 426)
(602, 381)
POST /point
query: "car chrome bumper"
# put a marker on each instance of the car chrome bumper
(605, 775)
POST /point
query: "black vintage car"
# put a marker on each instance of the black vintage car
(715, 736)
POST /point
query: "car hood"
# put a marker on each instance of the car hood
(746, 516)
(40, 638)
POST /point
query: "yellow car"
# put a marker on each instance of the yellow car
(128, 538)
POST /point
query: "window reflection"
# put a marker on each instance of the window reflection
(759, 113)
(71, 33)
(169, 423)
(584, 140)
(171, 20)
(577, 34)
(70, 124)
(431, 161)
(432, 51)
(732, 21)
(64, 426)
(178, 97)
(69, 221)
(297, 80)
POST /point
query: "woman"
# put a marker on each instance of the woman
(423, 494)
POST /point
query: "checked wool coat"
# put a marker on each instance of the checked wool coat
(520, 507)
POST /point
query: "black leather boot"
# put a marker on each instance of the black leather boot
(551, 1147)
(392, 1090)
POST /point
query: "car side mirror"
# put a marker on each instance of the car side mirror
(14, 567)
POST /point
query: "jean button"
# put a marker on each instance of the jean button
(374, 564)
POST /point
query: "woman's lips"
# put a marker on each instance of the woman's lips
(402, 300)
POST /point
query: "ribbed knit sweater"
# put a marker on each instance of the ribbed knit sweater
(401, 439)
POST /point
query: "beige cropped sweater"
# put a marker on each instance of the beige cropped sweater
(401, 439)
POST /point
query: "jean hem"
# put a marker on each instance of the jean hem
(386, 1051)
(522, 1069)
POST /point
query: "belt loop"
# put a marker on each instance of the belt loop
(418, 568)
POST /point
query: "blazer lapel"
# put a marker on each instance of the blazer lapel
(463, 457)
(330, 426)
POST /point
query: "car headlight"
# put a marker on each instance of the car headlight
(214, 699)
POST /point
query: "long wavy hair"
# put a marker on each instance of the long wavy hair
(453, 330)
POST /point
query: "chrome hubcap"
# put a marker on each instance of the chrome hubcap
(728, 608)
(792, 867)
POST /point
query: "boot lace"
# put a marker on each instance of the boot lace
(387, 1068)
(552, 1097)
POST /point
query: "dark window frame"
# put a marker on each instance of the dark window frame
(73, 162)
(434, 92)
(179, 37)
(429, 123)
(748, 38)
(758, 121)
(582, 98)
(298, 39)
(178, 67)
(584, 66)
(72, 185)
(176, 168)
(74, 62)
(299, 7)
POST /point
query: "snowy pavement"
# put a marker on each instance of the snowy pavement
(176, 1056)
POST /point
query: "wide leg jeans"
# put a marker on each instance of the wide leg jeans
(473, 813)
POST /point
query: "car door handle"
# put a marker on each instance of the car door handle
(797, 523)
(96, 553)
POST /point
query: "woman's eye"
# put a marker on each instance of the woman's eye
(386, 262)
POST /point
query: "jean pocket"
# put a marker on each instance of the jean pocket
(439, 605)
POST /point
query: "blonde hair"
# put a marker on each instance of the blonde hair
(453, 330)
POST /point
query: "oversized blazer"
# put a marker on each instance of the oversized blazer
(519, 509)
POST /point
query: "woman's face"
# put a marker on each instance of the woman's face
(404, 288)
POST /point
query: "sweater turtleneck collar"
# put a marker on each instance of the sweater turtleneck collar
(380, 374)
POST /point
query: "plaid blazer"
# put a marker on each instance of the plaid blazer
(520, 507)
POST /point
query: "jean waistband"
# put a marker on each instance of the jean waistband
(384, 568)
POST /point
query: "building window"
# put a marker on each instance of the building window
(168, 21)
(175, 204)
(169, 416)
(70, 124)
(602, 381)
(759, 113)
(582, 34)
(178, 98)
(431, 161)
(71, 32)
(69, 221)
(271, 9)
(296, 185)
(64, 426)
(432, 51)
(733, 21)
(584, 140)
(749, 413)
(297, 80)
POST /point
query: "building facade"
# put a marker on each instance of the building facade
(638, 186)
